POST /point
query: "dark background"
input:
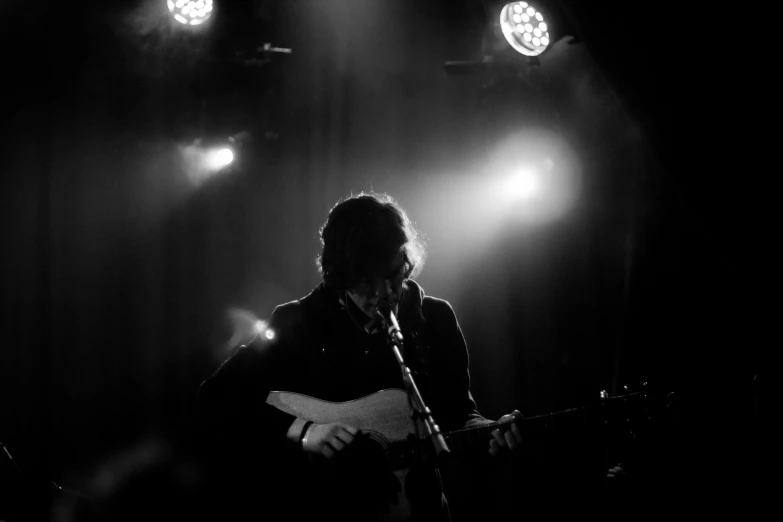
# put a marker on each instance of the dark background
(119, 271)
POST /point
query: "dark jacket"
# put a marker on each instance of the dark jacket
(318, 350)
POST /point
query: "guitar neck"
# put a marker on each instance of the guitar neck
(565, 422)
(540, 427)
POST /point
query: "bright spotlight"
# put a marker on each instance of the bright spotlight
(521, 185)
(534, 178)
(219, 158)
(518, 35)
(189, 12)
(262, 328)
(202, 161)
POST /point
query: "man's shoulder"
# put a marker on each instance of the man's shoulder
(435, 309)
(435, 302)
(292, 313)
(431, 306)
(288, 310)
(441, 322)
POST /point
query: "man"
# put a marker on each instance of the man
(332, 345)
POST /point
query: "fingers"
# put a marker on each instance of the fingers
(336, 438)
(508, 436)
(497, 443)
(327, 451)
(336, 443)
(346, 434)
(510, 417)
(513, 436)
(350, 429)
(341, 436)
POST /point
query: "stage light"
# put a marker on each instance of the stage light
(190, 12)
(260, 326)
(218, 158)
(512, 18)
(202, 161)
(535, 177)
(521, 185)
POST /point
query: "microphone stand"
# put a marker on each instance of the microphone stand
(419, 410)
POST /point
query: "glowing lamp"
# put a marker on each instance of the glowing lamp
(219, 158)
(522, 185)
(524, 28)
(189, 12)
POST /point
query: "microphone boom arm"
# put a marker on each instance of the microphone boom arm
(418, 407)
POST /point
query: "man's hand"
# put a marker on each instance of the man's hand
(328, 439)
(506, 436)
(616, 471)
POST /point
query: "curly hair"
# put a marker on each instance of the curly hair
(361, 235)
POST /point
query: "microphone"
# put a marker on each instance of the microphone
(390, 320)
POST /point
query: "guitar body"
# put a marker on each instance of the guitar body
(384, 416)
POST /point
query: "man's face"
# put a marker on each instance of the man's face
(384, 288)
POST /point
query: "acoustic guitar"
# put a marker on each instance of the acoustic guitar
(385, 417)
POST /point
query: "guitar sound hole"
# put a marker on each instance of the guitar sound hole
(377, 437)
